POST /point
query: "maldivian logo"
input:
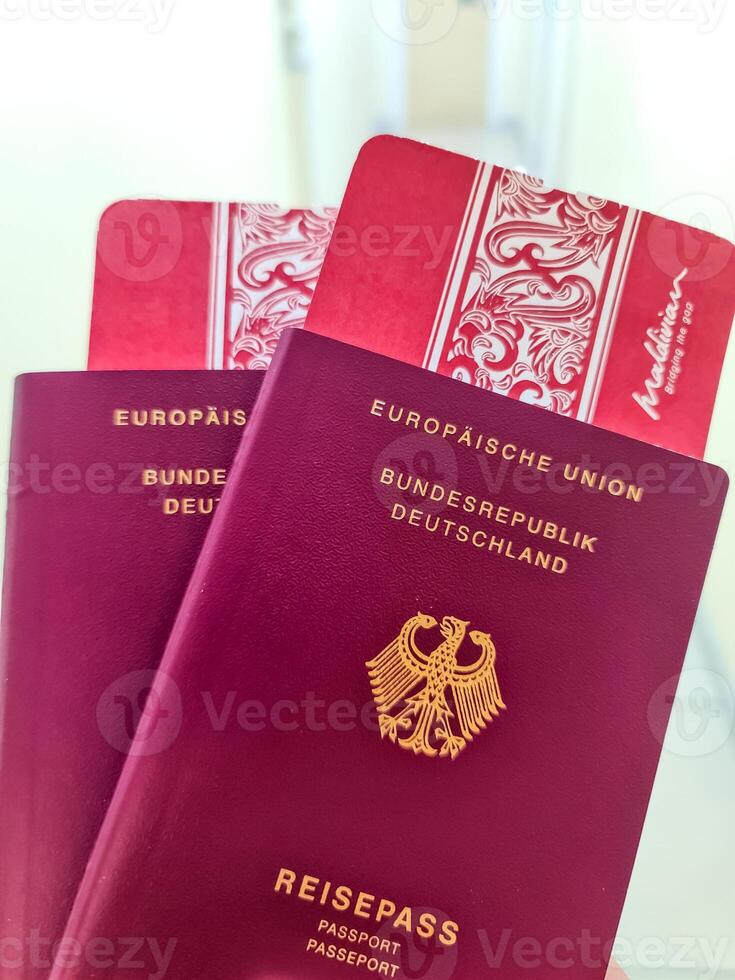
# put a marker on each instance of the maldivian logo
(664, 344)
(429, 703)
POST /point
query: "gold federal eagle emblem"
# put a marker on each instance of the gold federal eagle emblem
(429, 703)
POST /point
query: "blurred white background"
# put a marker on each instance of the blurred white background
(269, 101)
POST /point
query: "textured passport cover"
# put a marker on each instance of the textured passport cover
(187, 284)
(507, 610)
(96, 566)
(594, 310)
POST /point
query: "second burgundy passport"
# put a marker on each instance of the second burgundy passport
(412, 678)
(113, 480)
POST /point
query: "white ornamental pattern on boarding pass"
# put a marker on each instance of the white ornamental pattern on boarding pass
(276, 256)
(527, 319)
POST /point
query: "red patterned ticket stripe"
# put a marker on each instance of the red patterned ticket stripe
(262, 279)
(533, 292)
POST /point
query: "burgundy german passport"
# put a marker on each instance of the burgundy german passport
(113, 480)
(412, 677)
